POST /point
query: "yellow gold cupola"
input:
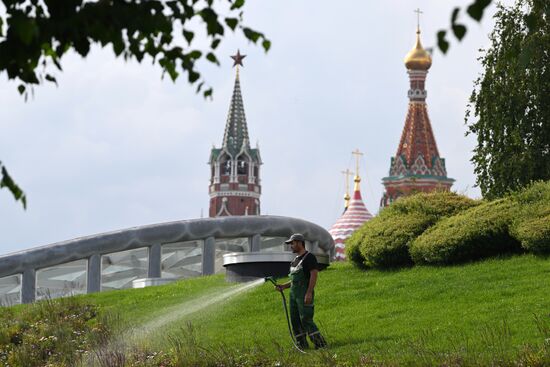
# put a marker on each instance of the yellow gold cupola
(418, 58)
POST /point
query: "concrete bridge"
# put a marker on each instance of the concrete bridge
(179, 249)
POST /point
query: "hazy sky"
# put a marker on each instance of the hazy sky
(115, 146)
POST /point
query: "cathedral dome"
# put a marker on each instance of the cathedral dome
(418, 58)
(355, 215)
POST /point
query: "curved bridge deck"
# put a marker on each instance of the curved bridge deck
(179, 249)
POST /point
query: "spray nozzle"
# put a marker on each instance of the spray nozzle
(270, 279)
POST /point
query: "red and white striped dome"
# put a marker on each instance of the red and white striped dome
(354, 217)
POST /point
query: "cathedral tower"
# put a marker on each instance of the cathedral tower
(235, 167)
(417, 165)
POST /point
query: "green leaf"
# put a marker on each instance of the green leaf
(51, 78)
(82, 46)
(231, 22)
(251, 34)
(476, 9)
(195, 54)
(16, 191)
(210, 17)
(237, 4)
(21, 88)
(266, 44)
(215, 43)
(212, 58)
(118, 46)
(25, 28)
(459, 31)
(188, 36)
(193, 76)
(442, 42)
(208, 93)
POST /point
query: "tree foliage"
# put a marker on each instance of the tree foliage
(509, 109)
(475, 10)
(36, 34)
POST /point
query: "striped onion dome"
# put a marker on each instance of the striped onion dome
(354, 217)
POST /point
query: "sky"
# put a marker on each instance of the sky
(116, 146)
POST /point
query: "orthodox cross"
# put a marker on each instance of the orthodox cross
(418, 12)
(348, 173)
(357, 155)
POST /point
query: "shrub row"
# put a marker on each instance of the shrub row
(473, 234)
(446, 228)
(384, 241)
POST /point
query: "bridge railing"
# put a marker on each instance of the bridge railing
(175, 249)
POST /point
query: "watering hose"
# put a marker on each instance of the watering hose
(294, 341)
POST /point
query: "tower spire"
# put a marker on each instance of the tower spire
(236, 129)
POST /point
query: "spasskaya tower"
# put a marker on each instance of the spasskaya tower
(235, 167)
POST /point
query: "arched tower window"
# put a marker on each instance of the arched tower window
(225, 166)
(242, 166)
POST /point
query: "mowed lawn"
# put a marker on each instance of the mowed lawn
(484, 310)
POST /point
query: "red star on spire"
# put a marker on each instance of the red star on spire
(238, 58)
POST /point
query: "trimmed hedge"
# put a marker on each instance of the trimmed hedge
(534, 234)
(384, 240)
(476, 233)
(532, 224)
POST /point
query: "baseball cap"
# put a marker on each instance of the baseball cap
(296, 237)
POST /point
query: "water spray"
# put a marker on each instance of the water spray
(294, 341)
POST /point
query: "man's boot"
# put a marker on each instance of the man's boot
(318, 340)
(302, 341)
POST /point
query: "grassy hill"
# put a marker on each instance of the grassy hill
(495, 311)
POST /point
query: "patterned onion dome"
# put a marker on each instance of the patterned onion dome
(353, 218)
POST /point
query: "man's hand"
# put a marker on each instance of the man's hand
(307, 298)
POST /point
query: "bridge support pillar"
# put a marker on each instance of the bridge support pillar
(154, 261)
(209, 256)
(28, 286)
(254, 242)
(94, 274)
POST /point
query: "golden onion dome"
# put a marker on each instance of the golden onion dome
(418, 58)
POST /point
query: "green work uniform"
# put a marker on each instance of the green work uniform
(301, 314)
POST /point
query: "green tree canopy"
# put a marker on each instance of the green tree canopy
(509, 109)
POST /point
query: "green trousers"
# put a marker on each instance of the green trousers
(301, 317)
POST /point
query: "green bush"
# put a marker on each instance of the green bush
(384, 240)
(532, 224)
(476, 233)
(534, 234)
(353, 248)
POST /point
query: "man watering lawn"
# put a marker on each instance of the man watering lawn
(303, 277)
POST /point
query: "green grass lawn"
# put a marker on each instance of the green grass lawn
(479, 312)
